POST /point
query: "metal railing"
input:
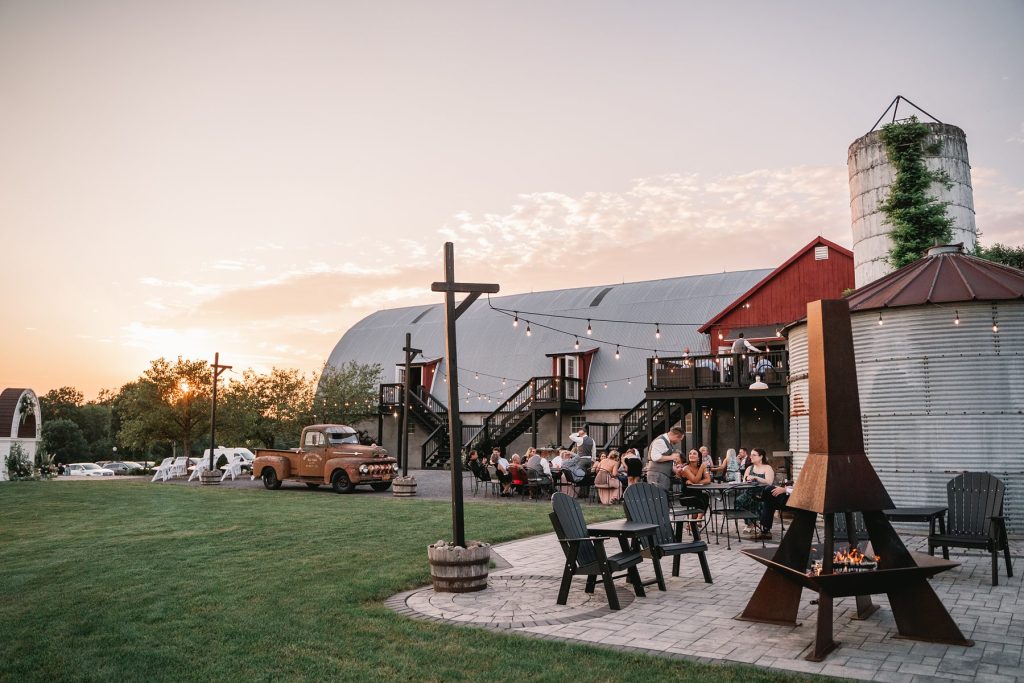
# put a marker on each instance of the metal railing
(728, 371)
(511, 414)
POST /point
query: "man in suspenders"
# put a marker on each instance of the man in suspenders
(661, 456)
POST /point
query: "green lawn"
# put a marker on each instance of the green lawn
(134, 581)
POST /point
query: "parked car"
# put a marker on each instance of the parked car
(87, 469)
(123, 467)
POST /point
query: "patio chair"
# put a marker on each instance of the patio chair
(163, 471)
(179, 468)
(233, 468)
(585, 554)
(649, 504)
(975, 519)
(538, 483)
(199, 468)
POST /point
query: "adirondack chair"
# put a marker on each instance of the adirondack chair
(163, 472)
(585, 554)
(649, 504)
(858, 526)
(975, 519)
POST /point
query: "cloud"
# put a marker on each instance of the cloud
(655, 227)
(1017, 137)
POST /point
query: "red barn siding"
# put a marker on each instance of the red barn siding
(783, 295)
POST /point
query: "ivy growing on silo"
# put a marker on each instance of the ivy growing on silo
(918, 219)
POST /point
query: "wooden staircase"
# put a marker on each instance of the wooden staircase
(429, 413)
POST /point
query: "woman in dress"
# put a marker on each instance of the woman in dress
(609, 488)
(634, 466)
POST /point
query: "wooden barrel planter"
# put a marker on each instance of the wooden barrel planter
(404, 487)
(454, 569)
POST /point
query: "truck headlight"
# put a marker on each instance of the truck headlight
(394, 467)
(363, 469)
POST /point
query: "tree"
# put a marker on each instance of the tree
(61, 404)
(266, 410)
(346, 394)
(918, 219)
(94, 421)
(169, 402)
(63, 439)
(1000, 253)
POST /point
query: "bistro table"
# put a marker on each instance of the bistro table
(629, 534)
(726, 508)
(920, 514)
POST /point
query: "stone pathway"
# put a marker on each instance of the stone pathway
(694, 620)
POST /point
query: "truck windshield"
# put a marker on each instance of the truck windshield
(343, 437)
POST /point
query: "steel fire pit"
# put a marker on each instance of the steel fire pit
(837, 478)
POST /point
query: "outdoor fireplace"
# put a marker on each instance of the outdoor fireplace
(837, 478)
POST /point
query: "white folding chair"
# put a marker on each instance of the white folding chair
(163, 471)
(199, 468)
(234, 468)
(179, 468)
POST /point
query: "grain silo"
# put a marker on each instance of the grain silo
(871, 175)
(940, 368)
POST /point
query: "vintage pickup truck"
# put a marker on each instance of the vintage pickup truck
(328, 454)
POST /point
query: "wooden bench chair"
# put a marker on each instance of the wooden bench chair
(975, 519)
(649, 504)
(585, 554)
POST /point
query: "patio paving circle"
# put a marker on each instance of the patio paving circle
(515, 601)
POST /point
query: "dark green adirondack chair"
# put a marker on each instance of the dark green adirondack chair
(585, 554)
(858, 526)
(975, 519)
(649, 504)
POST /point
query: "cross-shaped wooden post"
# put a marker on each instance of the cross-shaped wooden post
(451, 313)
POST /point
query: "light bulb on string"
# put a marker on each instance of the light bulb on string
(606, 385)
(616, 352)
(476, 375)
(995, 325)
(880, 321)
(657, 330)
(577, 345)
(528, 333)
(515, 320)
(720, 337)
(956, 318)
(503, 380)
(589, 330)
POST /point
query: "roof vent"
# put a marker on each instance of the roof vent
(821, 253)
(946, 249)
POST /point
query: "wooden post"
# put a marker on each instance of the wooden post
(452, 312)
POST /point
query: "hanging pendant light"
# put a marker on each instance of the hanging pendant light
(515, 320)
(589, 329)
(758, 385)
(616, 352)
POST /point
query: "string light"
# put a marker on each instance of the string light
(657, 330)
(720, 337)
(956, 318)
(515, 320)
(606, 385)
(880, 321)
(577, 345)
(528, 333)
(995, 325)
(589, 330)
(616, 352)
(476, 375)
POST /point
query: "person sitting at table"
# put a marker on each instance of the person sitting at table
(763, 366)
(772, 498)
(517, 473)
(761, 473)
(574, 468)
(609, 488)
(694, 472)
(634, 466)
(742, 462)
(501, 467)
(732, 465)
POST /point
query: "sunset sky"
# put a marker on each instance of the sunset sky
(250, 177)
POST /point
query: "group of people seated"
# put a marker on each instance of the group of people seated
(665, 466)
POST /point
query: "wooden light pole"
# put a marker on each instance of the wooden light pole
(451, 313)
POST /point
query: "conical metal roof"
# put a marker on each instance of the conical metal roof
(946, 275)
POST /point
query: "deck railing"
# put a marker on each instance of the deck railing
(727, 371)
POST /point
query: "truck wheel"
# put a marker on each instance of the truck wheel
(381, 486)
(341, 482)
(270, 479)
(312, 485)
